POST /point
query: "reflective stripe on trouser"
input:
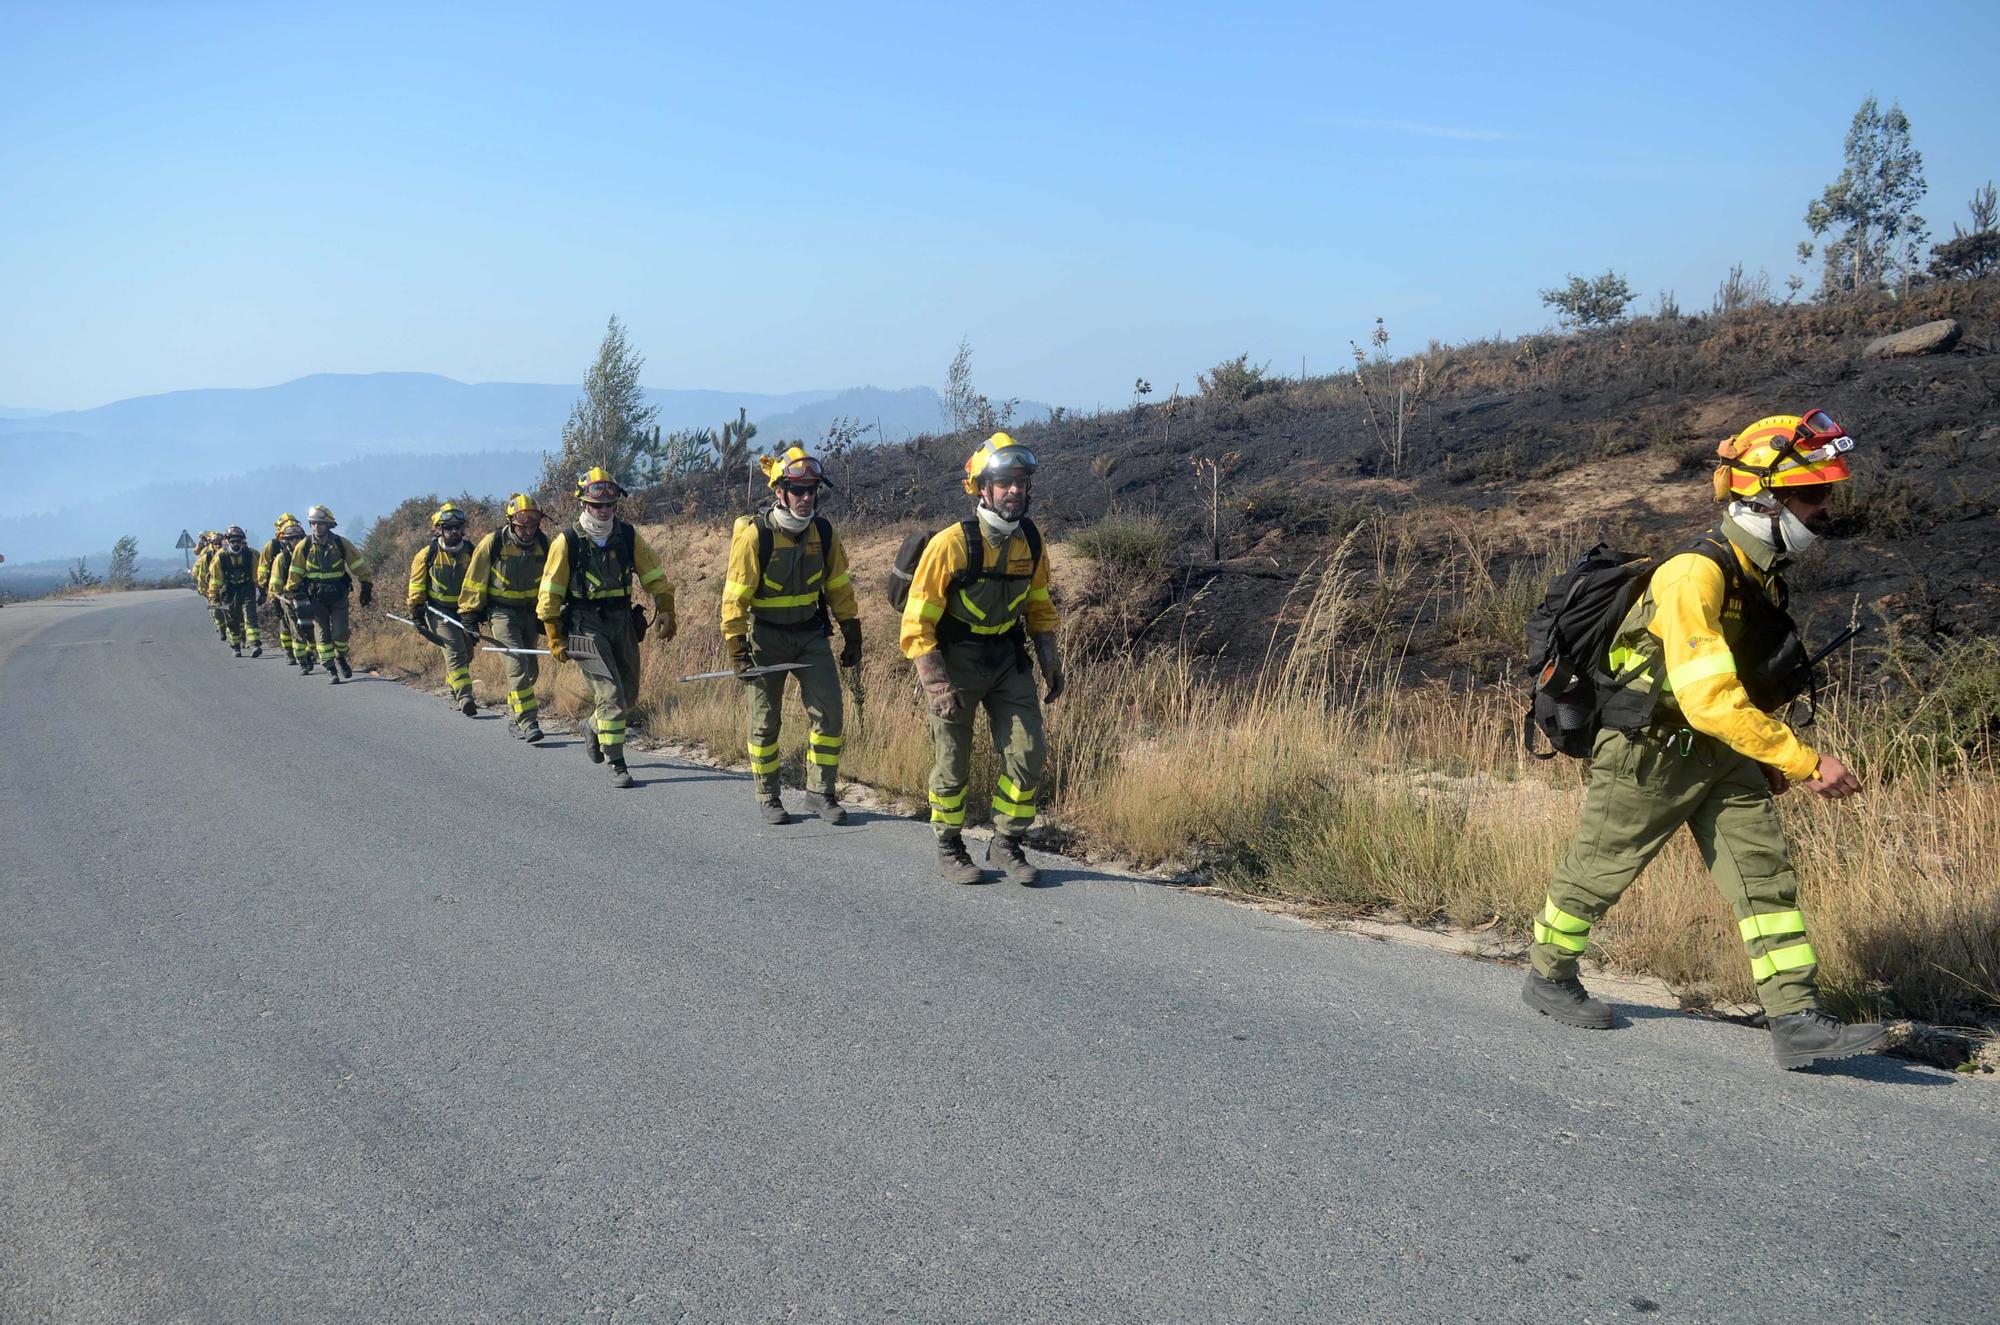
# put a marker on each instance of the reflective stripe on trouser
(610, 627)
(456, 646)
(516, 628)
(239, 614)
(281, 622)
(819, 692)
(988, 675)
(328, 618)
(1640, 791)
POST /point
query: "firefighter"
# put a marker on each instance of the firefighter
(437, 573)
(267, 558)
(972, 615)
(1689, 738)
(205, 551)
(232, 587)
(499, 592)
(289, 616)
(324, 569)
(586, 593)
(787, 573)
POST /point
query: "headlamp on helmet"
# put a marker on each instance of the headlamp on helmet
(1782, 451)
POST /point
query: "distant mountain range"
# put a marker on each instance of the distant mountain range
(73, 481)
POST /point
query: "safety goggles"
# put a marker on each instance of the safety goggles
(803, 472)
(1828, 439)
(601, 493)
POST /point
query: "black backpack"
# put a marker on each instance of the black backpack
(912, 551)
(1569, 642)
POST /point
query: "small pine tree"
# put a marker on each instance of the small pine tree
(1590, 303)
(611, 425)
(124, 562)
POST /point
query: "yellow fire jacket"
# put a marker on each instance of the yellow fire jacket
(504, 570)
(746, 592)
(555, 579)
(1687, 593)
(437, 573)
(227, 571)
(931, 594)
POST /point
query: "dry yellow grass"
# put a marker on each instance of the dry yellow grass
(1310, 782)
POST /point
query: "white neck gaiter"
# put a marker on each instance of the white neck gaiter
(1775, 527)
(597, 526)
(997, 529)
(794, 525)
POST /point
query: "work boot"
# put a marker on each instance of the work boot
(773, 811)
(531, 731)
(1006, 852)
(306, 666)
(333, 674)
(591, 747)
(1567, 1001)
(619, 776)
(468, 705)
(291, 659)
(236, 649)
(954, 863)
(1803, 1038)
(827, 807)
(346, 668)
(256, 650)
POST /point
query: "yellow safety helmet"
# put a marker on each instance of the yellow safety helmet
(1782, 451)
(598, 486)
(320, 515)
(447, 514)
(793, 465)
(1000, 454)
(522, 504)
(284, 519)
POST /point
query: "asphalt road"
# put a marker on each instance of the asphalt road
(326, 1003)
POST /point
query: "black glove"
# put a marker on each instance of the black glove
(474, 621)
(738, 650)
(850, 643)
(263, 596)
(367, 592)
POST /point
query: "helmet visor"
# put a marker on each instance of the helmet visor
(603, 492)
(1006, 459)
(804, 471)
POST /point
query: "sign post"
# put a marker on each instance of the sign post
(186, 542)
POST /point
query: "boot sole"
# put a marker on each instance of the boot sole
(1792, 1062)
(1580, 1023)
(532, 737)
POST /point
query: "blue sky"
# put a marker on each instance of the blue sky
(780, 197)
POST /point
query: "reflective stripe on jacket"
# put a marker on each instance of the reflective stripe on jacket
(787, 591)
(1681, 639)
(983, 607)
(505, 570)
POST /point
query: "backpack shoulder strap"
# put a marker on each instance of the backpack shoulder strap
(1034, 533)
(766, 542)
(825, 527)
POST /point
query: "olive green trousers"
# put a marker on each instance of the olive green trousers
(1642, 789)
(516, 628)
(819, 692)
(614, 695)
(989, 675)
(454, 643)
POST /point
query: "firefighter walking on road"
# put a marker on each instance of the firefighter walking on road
(210, 544)
(586, 592)
(289, 616)
(1689, 737)
(978, 601)
(437, 574)
(232, 587)
(499, 593)
(324, 569)
(787, 585)
(267, 592)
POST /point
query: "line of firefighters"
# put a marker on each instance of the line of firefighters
(975, 603)
(978, 621)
